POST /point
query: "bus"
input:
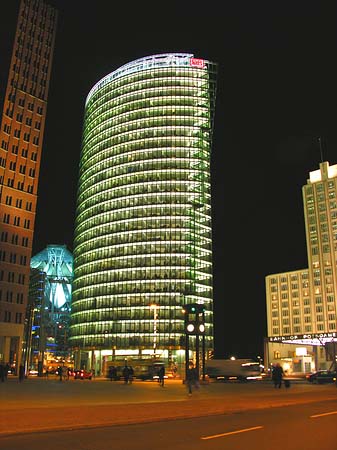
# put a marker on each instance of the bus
(143, 369)
(233, 369)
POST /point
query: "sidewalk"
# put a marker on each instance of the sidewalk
(37, 405)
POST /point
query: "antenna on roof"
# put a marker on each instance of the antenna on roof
(320, 148)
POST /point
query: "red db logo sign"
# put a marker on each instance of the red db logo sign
(196, 62)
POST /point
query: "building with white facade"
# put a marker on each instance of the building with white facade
(301, 305)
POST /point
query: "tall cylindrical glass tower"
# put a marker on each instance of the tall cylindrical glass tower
(143, 243)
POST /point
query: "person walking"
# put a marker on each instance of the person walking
(60, 372)
(130, 374)
(191, 378)
(161, 375)
(7, 369)
(126, 374)
(277, 375)
(112, 373)
(21, 373)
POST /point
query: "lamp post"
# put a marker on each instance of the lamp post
(155, 319)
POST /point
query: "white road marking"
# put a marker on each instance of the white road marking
(323, 414)
(231, 432)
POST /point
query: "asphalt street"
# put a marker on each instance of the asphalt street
(38, 404)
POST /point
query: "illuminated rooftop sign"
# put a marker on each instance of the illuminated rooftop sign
(196, 62)
(306, 339)
(149, 62)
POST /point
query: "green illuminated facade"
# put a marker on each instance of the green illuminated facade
(143, 241)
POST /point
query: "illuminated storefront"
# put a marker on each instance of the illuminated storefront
(143, 244)
(301, 353)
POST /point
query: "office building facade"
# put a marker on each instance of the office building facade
(302, 305)
(143, 241)
(21, 138)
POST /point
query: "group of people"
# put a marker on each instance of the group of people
(5, 369)
(127, 374)
(277, 375)
(192, 381)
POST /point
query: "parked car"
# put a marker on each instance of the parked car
(322, 376)
(81, 374)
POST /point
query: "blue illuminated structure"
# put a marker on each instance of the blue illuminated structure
(49, 304)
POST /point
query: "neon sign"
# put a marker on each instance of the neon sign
(197, 62)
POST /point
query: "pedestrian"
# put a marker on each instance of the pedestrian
(114, 373)
(126, 374)
(130, 374)
(60, 373)
(161, 375)
(191, 378)
(7, 369)
(111, 372)
(2, 373)
(21, 373)
(277, 375)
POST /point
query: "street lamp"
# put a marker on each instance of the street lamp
(155, 319)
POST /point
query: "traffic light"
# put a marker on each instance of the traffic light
(194, 318)
(200, 308)
(194, 308)
(190, 327)
(194, 327)
(189, 309)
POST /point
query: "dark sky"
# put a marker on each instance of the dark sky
(276, 96)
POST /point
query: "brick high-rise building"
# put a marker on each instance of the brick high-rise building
(21, 138)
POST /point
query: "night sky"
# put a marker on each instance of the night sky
(276, 96)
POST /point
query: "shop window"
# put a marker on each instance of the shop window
(277, 354)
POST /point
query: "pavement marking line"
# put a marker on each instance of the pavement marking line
(231, 432)
(323, 414)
